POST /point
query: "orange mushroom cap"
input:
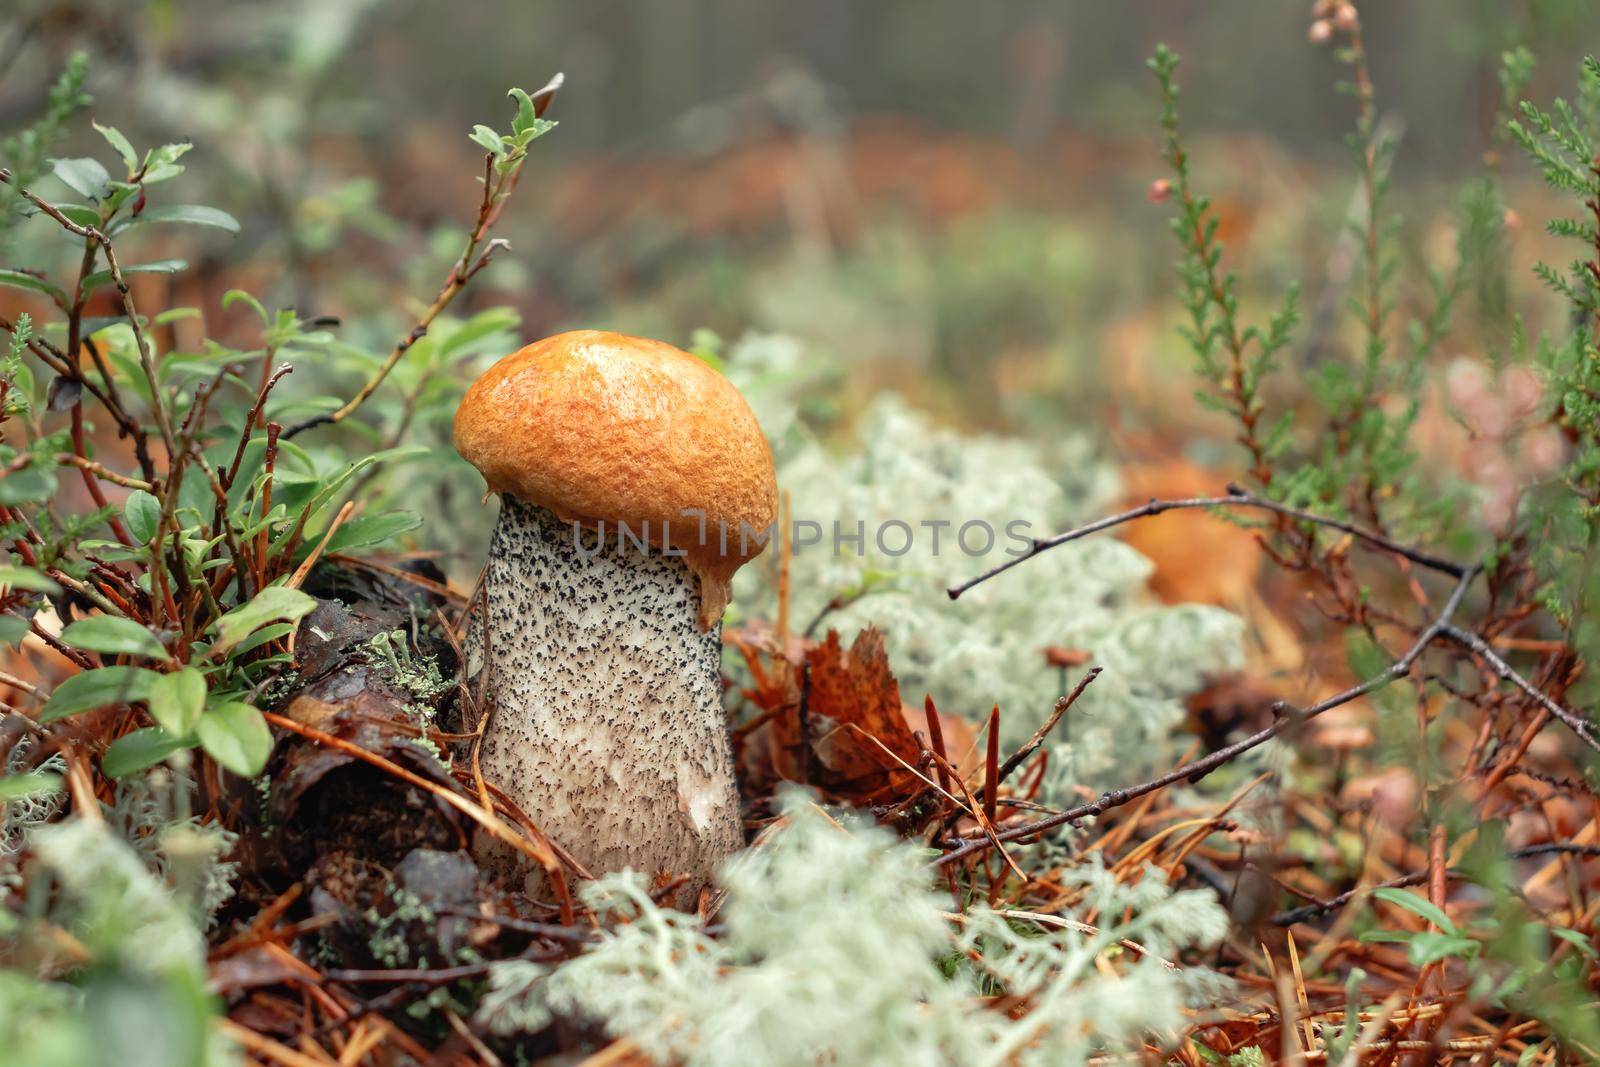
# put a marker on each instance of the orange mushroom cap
(603, 427)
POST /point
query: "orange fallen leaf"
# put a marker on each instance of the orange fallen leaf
(1198, 557)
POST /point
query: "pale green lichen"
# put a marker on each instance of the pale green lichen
(22, 813)
(145, 973)
(839, 947)
(132, 890)
(986, 648)
(150, 812)
(415, 674)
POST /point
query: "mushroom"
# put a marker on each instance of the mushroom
(634, 481)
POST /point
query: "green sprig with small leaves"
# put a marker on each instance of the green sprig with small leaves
(1233, 359)
(186, 613)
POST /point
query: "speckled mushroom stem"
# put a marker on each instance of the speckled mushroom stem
(607, 723)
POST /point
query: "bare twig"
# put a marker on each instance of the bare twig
(552, 931)
(1571, 719)
(435, 976)
(1284, 717)
(268, 380)
(1058, 922)
(18, 683)
(261, 1045)
(837, 603)
(1235, 497)
(54, 358)
(311, 560)
(71, 460)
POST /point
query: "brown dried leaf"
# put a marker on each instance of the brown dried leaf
(852, 698)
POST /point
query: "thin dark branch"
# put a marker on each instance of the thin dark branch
(267, 382)
(69, 459)
(553, 931)
(1284, 717)
(1311, 911)
(1573, 721)
(1235, 498)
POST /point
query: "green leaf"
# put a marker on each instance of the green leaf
(138, 750)
(143, 514)
(32, 784)
(82, 214)
(1419, 906)
(484, 324)
(183, 214)
(114, 138)
(366, 530)
(265, 634)
(236, 736)
(486, 137)
(310, 496)
(84, 176)
(175, 315)
(12, 577)
(1578, 940)
(276, 603)
(1430, 946)
(235, 296)
(160, 164)
(27, 486)
(17, 279)
(156, 266)
(526, 116)
(1402, 937)
(162, 173)
(107, 633)
(98, 689)
(12, 630)
(112, 331)
(177, 700)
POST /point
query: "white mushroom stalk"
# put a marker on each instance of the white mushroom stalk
(608, 723)
(619, 462)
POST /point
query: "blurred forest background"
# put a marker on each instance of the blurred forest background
(952, 203)
(951, 207)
